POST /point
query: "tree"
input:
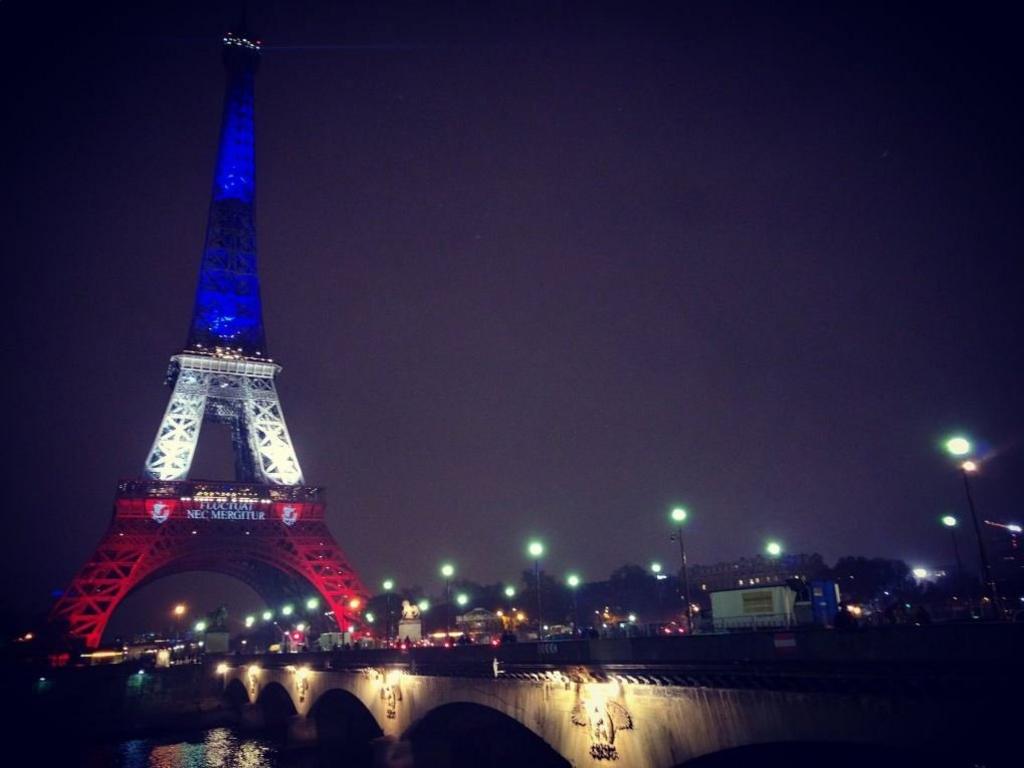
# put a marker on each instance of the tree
(556, 601)
(864, 580)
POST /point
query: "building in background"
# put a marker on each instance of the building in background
(757, 571)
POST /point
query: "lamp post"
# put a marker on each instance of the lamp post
(773, 549)
(656, 569)
(573, 581)
(388, 585)
(679, 516)
(447, 570)
(179, 611)
(959, 447)
(951, 522)
(536, 549)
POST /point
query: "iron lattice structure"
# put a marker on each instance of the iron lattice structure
(264, 528)
(238, 392)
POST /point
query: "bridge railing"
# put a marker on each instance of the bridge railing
(948, 646)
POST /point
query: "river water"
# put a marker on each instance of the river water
(214, 748)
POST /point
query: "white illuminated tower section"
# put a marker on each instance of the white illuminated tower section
(223, 374)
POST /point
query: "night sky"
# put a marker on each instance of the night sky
(529, 272)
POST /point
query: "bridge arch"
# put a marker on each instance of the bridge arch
(235, 695)
(276, 705)
(345, 728)
(466, 735)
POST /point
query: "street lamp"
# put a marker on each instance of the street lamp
(461, 599)
(312, 604)
(773, 548)
(388, 585)
(536, 549)
(573, 580)
(249, 621)
(678, 516)
(510, 592)
(959, 446)
(951, 522)
(267, 615)
(447, 570)
(287, 610)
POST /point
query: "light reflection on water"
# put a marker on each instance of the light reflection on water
(216, 748)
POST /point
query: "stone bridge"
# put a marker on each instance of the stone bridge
(941, 695)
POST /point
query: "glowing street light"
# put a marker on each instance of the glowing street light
(267, 615)
(510, 592)
(655, 568)
(920, 573)
(536, 549)
(423, 605)
(773, 548)
(678, 516)
(312, 604)
(573, 580)
(200, 626)
(462, 598)
(249, 621)
(287, 610)
(958, 445)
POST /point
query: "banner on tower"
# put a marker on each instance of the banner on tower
(241, 511)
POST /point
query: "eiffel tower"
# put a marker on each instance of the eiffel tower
(266, 527)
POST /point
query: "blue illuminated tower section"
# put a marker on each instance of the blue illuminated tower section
(224, 374)
(228, 313)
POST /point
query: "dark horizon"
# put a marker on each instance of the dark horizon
(533, 273)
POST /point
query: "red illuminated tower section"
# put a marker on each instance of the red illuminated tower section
(265, 527)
